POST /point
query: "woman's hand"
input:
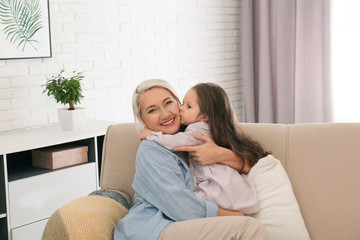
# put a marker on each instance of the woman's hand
(144, 133)
(210, 153)
(206, 153)
(223, 212)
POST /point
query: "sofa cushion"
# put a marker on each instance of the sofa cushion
(279, 209)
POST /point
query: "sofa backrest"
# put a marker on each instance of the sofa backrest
(272, 136)
(323, 166)
(321, 160)
(323, 163)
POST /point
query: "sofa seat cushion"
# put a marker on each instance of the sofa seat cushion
(279, 209)
(89, 217)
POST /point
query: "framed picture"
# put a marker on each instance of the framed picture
(24, 29)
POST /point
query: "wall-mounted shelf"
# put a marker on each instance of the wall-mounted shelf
(29, 195)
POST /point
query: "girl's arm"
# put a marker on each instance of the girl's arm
(210, 153)
(171, 141)
(144, 133)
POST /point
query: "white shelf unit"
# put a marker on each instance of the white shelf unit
(29, 195)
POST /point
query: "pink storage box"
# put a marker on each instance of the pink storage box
(59, 157)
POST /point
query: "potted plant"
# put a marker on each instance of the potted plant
(68, 91)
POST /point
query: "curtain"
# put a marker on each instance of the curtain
(285, 51)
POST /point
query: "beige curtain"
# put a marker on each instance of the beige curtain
(285, 49)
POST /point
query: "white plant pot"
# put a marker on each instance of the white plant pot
(72, 119)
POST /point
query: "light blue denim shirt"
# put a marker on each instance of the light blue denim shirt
(163, 187)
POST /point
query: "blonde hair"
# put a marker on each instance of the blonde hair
(145, 86)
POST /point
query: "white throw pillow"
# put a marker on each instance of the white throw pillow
(279, 209)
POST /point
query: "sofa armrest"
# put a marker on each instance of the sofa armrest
(118, 161)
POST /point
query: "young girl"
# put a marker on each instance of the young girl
(207, 110)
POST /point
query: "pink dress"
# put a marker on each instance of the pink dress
(218, 183)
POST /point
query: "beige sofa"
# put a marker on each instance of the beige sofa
(322, 161)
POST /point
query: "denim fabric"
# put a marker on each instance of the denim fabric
(163, 187)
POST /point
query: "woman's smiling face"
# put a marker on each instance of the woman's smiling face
(160, 111)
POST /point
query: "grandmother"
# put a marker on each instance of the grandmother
(165, 206)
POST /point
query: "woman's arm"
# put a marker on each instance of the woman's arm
(210, 153)
(160, 180)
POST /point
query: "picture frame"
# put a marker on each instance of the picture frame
(24, 29)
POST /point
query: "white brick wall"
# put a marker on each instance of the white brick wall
(119, 43)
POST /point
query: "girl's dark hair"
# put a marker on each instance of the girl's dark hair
(224, 128)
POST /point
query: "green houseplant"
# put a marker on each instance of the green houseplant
(68, 91)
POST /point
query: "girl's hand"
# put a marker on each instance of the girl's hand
(144, 133)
